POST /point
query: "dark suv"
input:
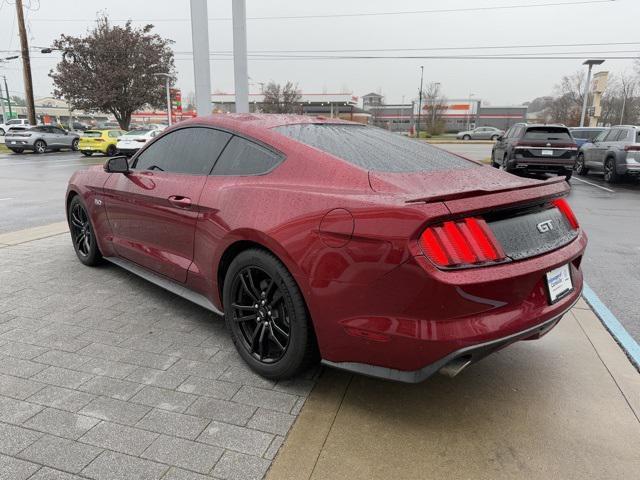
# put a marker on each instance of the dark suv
(615, 152)
(529, 148)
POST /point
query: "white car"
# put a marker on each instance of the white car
(132, 141)
(14, 122)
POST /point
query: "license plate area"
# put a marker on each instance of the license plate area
(559, 283)
(547, 153)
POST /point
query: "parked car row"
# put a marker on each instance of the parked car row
(22, 137)
(557, 149)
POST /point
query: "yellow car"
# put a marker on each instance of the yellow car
(99, 141)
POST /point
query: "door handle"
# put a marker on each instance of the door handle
(179, 201)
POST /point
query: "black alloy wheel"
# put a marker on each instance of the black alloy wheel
(580, 167)
(74, 145)
(82, 233)
(266, 314)
(466, 137)
(610, 175)
(39, 146)
(111, 150)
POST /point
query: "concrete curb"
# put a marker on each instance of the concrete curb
(34, 233)
(321, 422)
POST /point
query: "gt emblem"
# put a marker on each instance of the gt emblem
(544, 227)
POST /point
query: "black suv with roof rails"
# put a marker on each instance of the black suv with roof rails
(534, 148)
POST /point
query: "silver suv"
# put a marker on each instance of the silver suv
(40, 139)
(615, 152)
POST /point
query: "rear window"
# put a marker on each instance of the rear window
(586, 134)
(373, 148)
(548, 133)
(91, 134)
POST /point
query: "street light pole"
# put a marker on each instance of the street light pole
(420, 100)
(585, 94)
(6, 89)
(168, 88)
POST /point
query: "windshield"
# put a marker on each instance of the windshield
(91, 134)
(373, 148)
(548, 133)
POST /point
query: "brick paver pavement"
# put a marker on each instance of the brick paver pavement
(105, 376)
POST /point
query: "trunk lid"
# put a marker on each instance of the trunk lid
(517, 210)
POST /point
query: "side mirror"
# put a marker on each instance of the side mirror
(117, 165)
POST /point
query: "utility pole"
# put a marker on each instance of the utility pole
(240, 70)
(420, 101)
(168, 92)
(201, 67)
(26, 64)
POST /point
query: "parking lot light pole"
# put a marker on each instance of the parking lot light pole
(201, 65)
(240, 69)
(168, 88)
(591, 63)
(420, 101)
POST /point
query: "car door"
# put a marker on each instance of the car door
(499, 148)
(61, 137)
(600, 148)
(153, 209)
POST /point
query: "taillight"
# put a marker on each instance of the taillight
(562, 205)
(462, 242)
(632, 148)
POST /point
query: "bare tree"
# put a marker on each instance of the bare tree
(435, 105)
(280, 99)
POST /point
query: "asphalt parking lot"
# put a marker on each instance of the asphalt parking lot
(32, 190)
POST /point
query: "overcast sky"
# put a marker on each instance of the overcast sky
(500, 82)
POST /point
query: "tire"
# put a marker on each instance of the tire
(39, 147)
(2, 132)
(87, 154)
(568, 175)
(82, 233)
(74, 145)
(111, 151)
(610, 174)
(256, 277)
(466, 137)
(504, 163)
(580, 167)
(17, 150)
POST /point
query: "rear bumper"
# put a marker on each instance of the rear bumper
(24, 144)
(466, 355)
(416, 319)
(127, 151)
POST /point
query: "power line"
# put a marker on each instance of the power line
(364, 14)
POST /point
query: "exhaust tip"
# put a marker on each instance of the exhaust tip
(455, 366)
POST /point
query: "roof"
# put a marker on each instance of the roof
(242, 121)
(372, 94)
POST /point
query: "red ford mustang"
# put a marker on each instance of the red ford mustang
(381, 254)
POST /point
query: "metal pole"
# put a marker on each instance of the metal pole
(26, 64)
(6, 89)
(240, 71)
(624, 101)
(201, 67)
(4, 115)
(168, 84)
(586, 96)
(420, 101)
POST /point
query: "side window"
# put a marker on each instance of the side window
(242, 157)
(114, 133)
(509, 132)
(516, 132)
(57, 131)
(624, 136)
(611, 136)
(188, 150)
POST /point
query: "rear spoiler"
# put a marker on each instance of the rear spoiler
(480, 192)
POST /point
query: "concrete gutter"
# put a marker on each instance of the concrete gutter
(34, 233)
(566, 406)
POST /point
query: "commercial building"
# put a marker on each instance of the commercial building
(456, 114)
(333, 105)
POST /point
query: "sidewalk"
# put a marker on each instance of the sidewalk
(564, 407)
